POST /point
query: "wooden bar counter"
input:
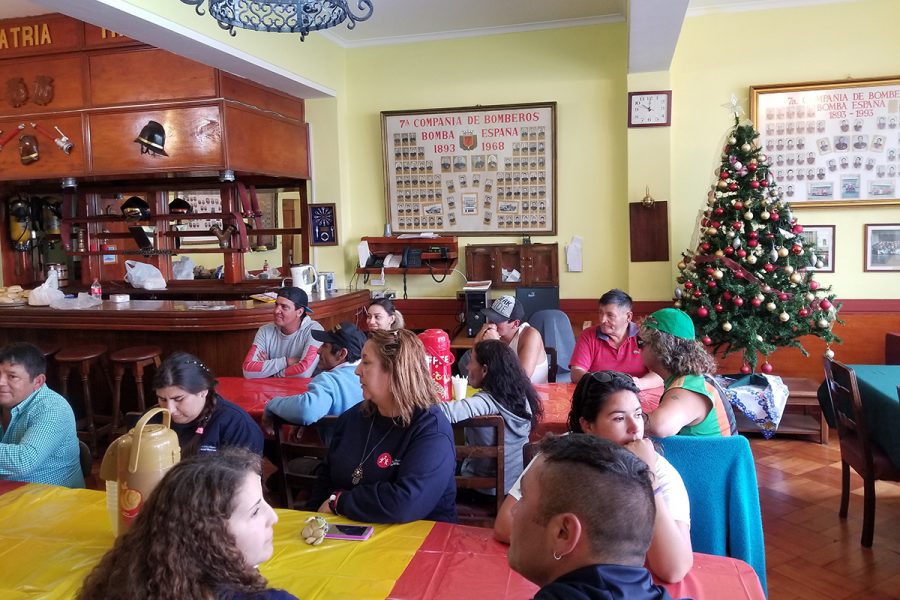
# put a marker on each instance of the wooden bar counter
(218, 331)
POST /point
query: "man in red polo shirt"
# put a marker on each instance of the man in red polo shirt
(613, 344)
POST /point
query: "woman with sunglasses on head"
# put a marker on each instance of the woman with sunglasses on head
(606, 404)
(505, 390)
(381, 315)
(202, 419)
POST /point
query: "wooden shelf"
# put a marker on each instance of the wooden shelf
(441, 269)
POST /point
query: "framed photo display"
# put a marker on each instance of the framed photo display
(822, 238)
(832, 143)
(483, 170)
(210, 201)
(882, 247)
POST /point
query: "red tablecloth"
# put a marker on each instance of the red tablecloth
(252, 394)
(557, 399)
(456, 561)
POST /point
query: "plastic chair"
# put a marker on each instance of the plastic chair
(556, 330)
(720, 477)
(857, 450)
(479, 514)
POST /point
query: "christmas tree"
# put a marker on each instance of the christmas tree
(747, 286)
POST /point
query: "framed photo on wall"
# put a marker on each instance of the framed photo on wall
(882, 249)
(477, 170)
(832, 143)
(822, 238)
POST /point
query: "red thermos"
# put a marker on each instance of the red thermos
(437, 348)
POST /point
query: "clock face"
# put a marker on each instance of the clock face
(649, 109)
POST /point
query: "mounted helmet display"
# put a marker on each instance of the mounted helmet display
(180, 206)
(136, 209)
(21, 223)
(152, 138)
(28, 149)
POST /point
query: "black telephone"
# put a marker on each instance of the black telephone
(412, 257)
(374, 262)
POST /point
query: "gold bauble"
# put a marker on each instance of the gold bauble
(717, 274)
(796, 278)
(782, 252)
(784, 317)
(726, 326)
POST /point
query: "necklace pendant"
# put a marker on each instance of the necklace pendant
(357, 474)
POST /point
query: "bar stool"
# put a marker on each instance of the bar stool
(133, 358)
(83, 358)
(48, 349)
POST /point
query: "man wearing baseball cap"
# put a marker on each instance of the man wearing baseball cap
(503, 321)
(335, 389)
(286, 347)
(690, 405)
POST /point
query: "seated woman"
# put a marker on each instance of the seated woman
(203, 420)
(606, 405)
(201, 534)
(690, 405)
(505, 391)
(391, 457)
(381, 315)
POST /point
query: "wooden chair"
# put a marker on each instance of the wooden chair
(529, 451)
(857, 450)
(553, 365)
(301, 450)
(481, 515)
(86, 460)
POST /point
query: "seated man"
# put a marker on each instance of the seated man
(335, 389)
(40, 445)
(613, 344)
(286, 347)
(690, 405)
(504, 323)
(584, 523)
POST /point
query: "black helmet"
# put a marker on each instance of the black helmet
(28, 149)
(180, 206)
(136, 209)
(152, 138)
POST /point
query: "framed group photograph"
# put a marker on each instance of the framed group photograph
(882, 247)
(831, 143)
(822, 239)
(477, 170)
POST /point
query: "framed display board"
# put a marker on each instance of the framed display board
(833, 143)
(482, 170)
(210, 201)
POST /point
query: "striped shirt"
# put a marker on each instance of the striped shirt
(41, 445)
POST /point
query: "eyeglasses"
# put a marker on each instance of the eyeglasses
(610, 377)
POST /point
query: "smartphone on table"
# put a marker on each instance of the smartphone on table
(349, 532)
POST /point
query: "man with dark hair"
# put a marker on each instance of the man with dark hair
(335, 389)
(613, 344)
(41, 444)
(505, 321)
(286, 347)
(585, 521)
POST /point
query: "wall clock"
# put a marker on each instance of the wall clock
(650, 109)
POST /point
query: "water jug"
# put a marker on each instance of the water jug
(440, 358)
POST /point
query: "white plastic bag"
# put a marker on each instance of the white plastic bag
(183, 269)
(82, 301)
(142, 275)
(47, 292)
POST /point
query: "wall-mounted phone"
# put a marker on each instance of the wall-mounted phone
(393, 261)
(412, 257)
(374, 262)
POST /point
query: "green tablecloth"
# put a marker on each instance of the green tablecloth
(878, 392)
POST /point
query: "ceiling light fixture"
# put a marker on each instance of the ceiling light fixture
(283, 16)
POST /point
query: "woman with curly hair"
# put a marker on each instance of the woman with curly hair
(382, 315)
(202, 419)
(392, 458)
(201, 534)
(690, 405)
(505, 390)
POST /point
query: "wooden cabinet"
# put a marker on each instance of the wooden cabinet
(537, 264)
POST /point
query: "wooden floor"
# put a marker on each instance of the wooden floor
(810, 552)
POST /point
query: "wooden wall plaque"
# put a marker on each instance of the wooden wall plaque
(649, 231)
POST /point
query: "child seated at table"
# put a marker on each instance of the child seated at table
(202, 419)
(201, 534)
(605, 404)
(505, 390)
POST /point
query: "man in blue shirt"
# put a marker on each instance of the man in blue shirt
(40, 445)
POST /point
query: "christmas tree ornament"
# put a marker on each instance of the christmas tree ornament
(736, 243)
(730, 235)
(697, 293)
(783, 297)
(678, 292)
(737, 165)
(688, 285)
(741, 253)
(813, 285)
(810, 297)
(823, 323)
(759, 338)
(719, 211)
(755, 302)
(705, 247)
(803, 312)
(745, 147)
(797, 228)
(702, 312)
(796, 278)
(773, 255)
(738, 301)
(737, 225)
(829, 353)
(764, 215)
(768, 267)
(789, 269)
(784, 317)
(782, 252)
(722, 184)
(706, 340)
(677, 304)
(745, 369)
(753, 235)
(712, 231)
(766, 368)
(732, 140)
(770, 306)
(717, 274)
(797, 249)
(719, 308)
(754, 184)
(711, 283)
(724, 174)
(773, 215)
(726, 326)
(751, 259)
(748, 216)
(825, 304)
(719, 253)
(738, 205)
(752, 166)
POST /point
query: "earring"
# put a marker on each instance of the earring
(557, 556)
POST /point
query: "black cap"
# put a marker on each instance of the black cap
(344, 335)
(297, 296)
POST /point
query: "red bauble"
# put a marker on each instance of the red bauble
(705, 246)
(697, 293)
(825, 304)
(738, 301)
(797, 249)
(745, 369)
(764, 183)
(766, 368)
(753, 235)
(797, 228)
(803, 312)
(719, 308)
(738, 205)
(753, 242)
(754, 184)
(706, 340)
(726, 295)
(770, 236)
(719, 210)
(702, 312)
(813, 284)
(752, 167)
(724, 174)
(756, 302)
(737, 225)
(704, 222)
(716, 224)
(741, 253)
(729, 250)
(711, 283)
(732, 186)
(782, 296)
(710, 270)
(688, 285)
(773, 216)
(768, 267)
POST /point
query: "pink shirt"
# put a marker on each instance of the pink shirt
(593, 352)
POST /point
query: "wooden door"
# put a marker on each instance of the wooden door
(541, 264)
(481, 263)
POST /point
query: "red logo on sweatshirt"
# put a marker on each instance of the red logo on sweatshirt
(384, 461)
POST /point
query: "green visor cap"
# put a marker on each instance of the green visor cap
(672, 321)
